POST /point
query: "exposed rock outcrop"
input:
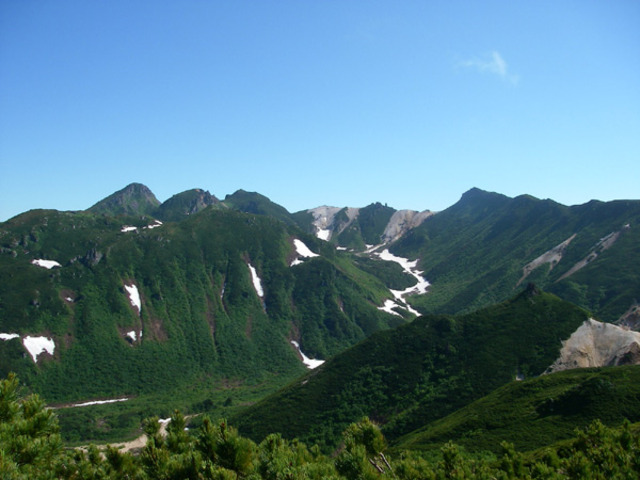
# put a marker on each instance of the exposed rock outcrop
(401, 222)
(631, 318)
(605, 243)
(326, 224)
(597, 344)
(552, 257)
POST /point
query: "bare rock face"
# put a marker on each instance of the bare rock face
(597, 344)
(631, 318)
(401, 222)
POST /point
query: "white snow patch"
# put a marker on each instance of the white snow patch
(49, 264)
(69, 299)
(323, 220)
(309, 362)
(257, 283)
(99, 402)
(132, 335)
(155, 224)
(341, 248)
(8, 336)
(36, 345)
(389, 306)
(408, 266)
(303, 250)
(324, 234)
(134, 296)
(128, 228)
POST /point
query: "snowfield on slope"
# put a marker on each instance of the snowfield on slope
(303, 251)
(48, 264)
(309, 362)
(409, 266)
(134, 296)
(257, 283)
(37, 345)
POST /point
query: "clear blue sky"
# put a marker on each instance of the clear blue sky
(311, 103)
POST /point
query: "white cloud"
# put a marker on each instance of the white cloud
(493, 64)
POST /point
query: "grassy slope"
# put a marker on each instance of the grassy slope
(536, 412)
(200, 313)
(473, 252)
(418, 372)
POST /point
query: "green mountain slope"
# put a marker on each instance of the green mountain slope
(536, 412)
(367, 228)
(186, 203)
(252, 202)
(201, 312)
(475, 252)
(134, 199)
(418, 372)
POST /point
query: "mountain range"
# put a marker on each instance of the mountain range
(222, 302)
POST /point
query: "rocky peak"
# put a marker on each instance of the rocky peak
(185, 203)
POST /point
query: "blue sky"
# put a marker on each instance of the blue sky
(310, 103)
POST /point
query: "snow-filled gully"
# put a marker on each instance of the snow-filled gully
(419, 288)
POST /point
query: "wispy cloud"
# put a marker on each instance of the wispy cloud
(493, 64)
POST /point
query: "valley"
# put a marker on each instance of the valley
(303, 323)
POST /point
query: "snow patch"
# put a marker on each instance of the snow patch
(309, 362)
(8, 336)
(134, 296)
(409, 266)
(389, 306)
(155, 224)
(128, 228)
(324, 220)
(48, 264)
(324, 234)
(303, 251)
(37, 345)
(133, 335)
(257, 283)
(99, 402)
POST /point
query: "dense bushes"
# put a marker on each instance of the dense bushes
(30, 448)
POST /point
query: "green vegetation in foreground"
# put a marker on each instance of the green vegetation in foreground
(419, 372)
(537, 412)
(122, 421)
(31, 448)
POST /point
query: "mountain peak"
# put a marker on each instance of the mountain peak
(134, 199)
(185, 203)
